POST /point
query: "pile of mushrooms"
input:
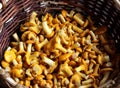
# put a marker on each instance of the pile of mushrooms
(64, 51)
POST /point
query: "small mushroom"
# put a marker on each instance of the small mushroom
(39, 45)
(61, 17)
(15, 36)
(28, 53)
(35, 27)
(75, 80)
(84, 33)
(37, 70)
(64, 57)
(102, 59)
(85, 55)
(24, 36)
(9, 56)
(94, 47)
(105, 77)
(48, 31)
(78, 17)
(32, 36)
(86, 86)
(88, 81)
(21, 48)
(60, 47)
(77, 29)
(96, 69)
(80, 68)
(65, 70)
(50, 62)
(93, 36)
(4, 64)
(17, 73)
(71, 14)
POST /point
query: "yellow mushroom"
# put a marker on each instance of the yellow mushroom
(9, 56)
(63, 35)
(21, 48)
(71, 14)
(31, 36)
(14, 61)
(84, 33)
(85, 55)
(86, 23)
(78, 17)
(94, 47)
(93, 36)
(77, 29)
(60, 47)
(37, 70)
(80, 68)
(27, 83)
(93, 56)
(48, 31)
(61, 17)
(28, 53)
(65, 82)
(39, 45)
(35, 86)
(47, 60)
(17, 73)
(64, 57)
(28, 72)
(88, 40)
(35, 28)
(65, 70)
(102, 59)
(88, 81)
(75, 80)
(92, 63)
(86, 86)
(96, 70)
(4, 64)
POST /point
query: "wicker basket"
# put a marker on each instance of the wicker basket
(104, 12)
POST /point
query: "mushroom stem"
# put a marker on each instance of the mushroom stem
(65, 70)
(21, 48)
(60, 47)
(93, 36)
(88, 81)
(15, 36)
(77, 29)
(77, 18)
(105, 77)
(47, 60)
(96, 70)
(38, 46)
(80, 68)
(29, 47)
(46, 29)
(61, 18)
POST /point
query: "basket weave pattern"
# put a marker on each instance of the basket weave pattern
(104, 12)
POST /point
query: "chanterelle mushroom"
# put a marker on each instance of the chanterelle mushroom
(65, 50)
